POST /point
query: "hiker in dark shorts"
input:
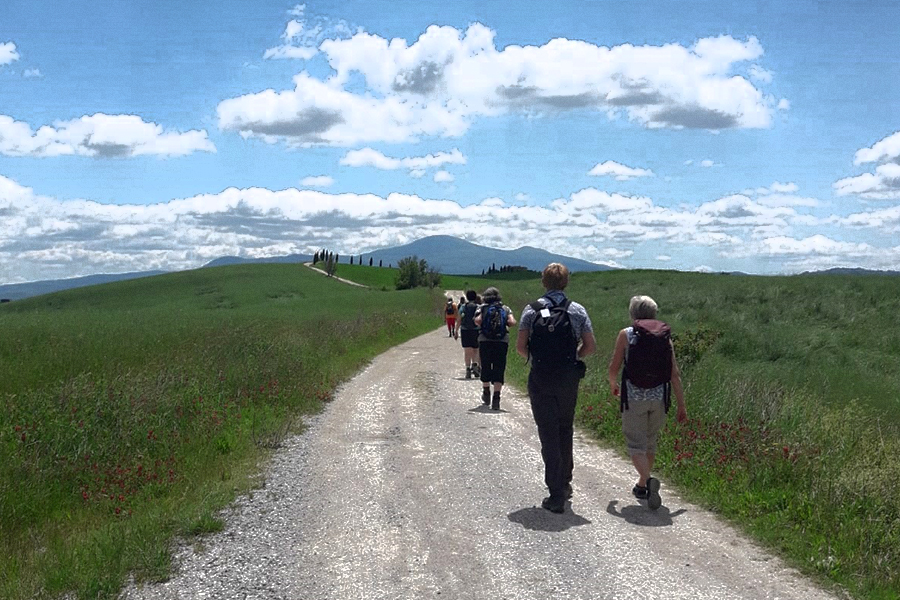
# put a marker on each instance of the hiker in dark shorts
(555, 334)
(468, 333)
(450, 314)
(644, 408)
(493, 320)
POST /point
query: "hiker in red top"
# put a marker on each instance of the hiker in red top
(450, 314)
(649, 378)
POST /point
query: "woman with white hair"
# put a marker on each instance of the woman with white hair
(650, 375)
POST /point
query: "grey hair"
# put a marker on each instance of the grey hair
(490, 295)
(642, 307)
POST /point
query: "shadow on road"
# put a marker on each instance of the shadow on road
(485, 408)
(639, 515)
(538, 519)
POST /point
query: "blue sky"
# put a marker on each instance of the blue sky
(755, 136)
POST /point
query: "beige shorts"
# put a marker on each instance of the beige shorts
(641, 424)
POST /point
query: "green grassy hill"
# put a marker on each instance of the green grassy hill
(130, 412)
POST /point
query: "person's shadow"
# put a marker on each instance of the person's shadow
(639, 515)
(485, 408)
(540, 519)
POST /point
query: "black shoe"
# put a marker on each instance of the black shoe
(640, 492)
(495, 402)
(468, 372)
(568, 491)
(554, 505)
(653, 499)
(476, 370)
(486, 395)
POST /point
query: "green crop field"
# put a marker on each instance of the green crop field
(131, 412)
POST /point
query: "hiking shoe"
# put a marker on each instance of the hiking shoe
(640, 492)
(495, 403)
(486, 395)
(653, 499)
(468, 372)
(554, 505)
(476, 370)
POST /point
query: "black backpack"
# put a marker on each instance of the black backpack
(450, 308)
(467, 315)
(552, 343)
(648, 361)
(493, 321)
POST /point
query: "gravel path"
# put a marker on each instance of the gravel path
(405, 487)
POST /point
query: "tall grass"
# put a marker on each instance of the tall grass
(793, 389)
(131, 412)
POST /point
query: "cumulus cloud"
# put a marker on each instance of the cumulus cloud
(99, 135)
(417, 165)
(443, 177)
(318, 181)
(298, 43)
(707, 163)
(32, 73)
(397, 91)
(8, 53)
(43, 237)
(886, 150)
(619, 171)
(757, 73)
(784, 104)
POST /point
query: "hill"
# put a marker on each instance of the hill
(237, 260)
(20, 291)
(452, 255)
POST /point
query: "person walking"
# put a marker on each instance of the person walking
(450, 314)
(468, 333)
(555, 334)
(649, 378)
(493, 320)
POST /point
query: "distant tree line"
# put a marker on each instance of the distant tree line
(503, 269)
(330, 260)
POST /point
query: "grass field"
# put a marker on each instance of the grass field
(793, 389)
(130, 412)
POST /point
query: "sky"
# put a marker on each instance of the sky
(761, 137)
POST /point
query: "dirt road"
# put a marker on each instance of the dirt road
(405, 487)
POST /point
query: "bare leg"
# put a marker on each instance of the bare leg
(642, 462)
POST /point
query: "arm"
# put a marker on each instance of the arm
(522, 343)
(681, 410)
(588, 344)
(615, 363)
(510, 319)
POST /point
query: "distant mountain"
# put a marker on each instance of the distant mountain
(454, 256)
(20, 291)
(850, 271)
(237, 260)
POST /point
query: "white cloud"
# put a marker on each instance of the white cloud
(99, 135)
(368, 157)
(883, 184)
(297, 10)
(43, 237)
(439, 84)
(707, 163)
(688, 162)
(887, 149)
(8, 53)
(663, 258)
(619, 171)
(784, 104)
(318, 181)
(757, 73)
(31, 73)
(443, 177)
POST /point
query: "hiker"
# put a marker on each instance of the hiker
(650, 376)
(450, 314)
(493, 320)
(468, 333)
(555, 334)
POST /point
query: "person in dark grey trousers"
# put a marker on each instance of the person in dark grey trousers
(556, 370)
